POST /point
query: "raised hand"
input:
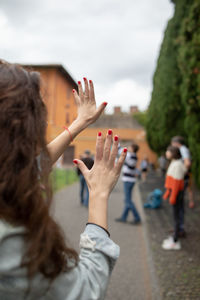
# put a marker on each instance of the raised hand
(88, 113)
(103, 176)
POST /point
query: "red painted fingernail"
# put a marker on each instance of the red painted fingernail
(125, 150)
(110, 131)
(105, 103)
(79, 82)
(73, 91)
(116, 138)
(75, 161)
(90, 81)
(99, 134)
(84, 78)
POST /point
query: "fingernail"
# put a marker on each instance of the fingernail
(116, 138)
(73, 91)
(75, 161)
(110, 131)
(125, 150)
(79, 82)
(105, 103)
(84, 78)
(90, 81)
(99, 133)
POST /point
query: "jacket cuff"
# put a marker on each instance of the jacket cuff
(95, 238)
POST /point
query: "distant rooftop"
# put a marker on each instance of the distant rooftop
(117, 121)
(58, 67)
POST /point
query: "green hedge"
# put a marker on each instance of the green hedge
(63, 177)
(175, 103)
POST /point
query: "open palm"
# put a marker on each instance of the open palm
(86, 103)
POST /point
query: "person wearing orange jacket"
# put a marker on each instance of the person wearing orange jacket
(174, 185)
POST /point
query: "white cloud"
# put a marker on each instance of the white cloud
(113, 42)
(124, 93)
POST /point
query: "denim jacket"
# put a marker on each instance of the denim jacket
(86, 281)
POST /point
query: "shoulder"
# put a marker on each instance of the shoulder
(185, 153)
(132, 155)
(6, 229)
(176, 169)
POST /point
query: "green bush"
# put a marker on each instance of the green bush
(63, 177)
(141, 117)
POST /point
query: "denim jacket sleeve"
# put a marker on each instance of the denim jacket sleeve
(86, 281)
(89, 279)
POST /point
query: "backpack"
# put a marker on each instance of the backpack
(154, 199)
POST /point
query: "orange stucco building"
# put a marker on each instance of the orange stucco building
(57, 85)
(122, 125)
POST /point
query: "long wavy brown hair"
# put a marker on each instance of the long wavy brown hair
(23, 119)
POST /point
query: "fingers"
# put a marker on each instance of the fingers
(88, 96)
(80, 90)
(107, 146)
(103, 151)
(91, 91)
(121, 160)
(85, 95)
(76, 97)
(99, 147)
(114, 151)
(86, 89)
(80, 164)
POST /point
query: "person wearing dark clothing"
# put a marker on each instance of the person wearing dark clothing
(84, 193)
(178, 141)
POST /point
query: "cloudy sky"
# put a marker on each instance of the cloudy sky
(114, 42)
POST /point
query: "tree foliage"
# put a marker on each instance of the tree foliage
(141, 117)
(189, 66)
(175, 103)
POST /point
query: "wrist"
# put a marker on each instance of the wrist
(101, 196)
(76, 127)
(98, 209)
(108, 233)
(80, 122)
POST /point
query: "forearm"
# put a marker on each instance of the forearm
(57, 147)
(187, 163)
(98, 209)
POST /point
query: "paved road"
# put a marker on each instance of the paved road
(132, 278)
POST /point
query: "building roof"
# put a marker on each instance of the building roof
(122, 120)
(58, 67)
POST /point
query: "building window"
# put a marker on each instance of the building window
(68, 94)
(67, 118)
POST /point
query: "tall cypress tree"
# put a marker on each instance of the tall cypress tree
(189, 65)
(166, 110)
(175, 104)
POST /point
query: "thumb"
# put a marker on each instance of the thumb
(82, 167)
(100, 109)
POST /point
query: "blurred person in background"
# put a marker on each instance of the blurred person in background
(174, 184)
(178, 141)
(162, 164)
(129, 177)
(144, 167)
(84, 192)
